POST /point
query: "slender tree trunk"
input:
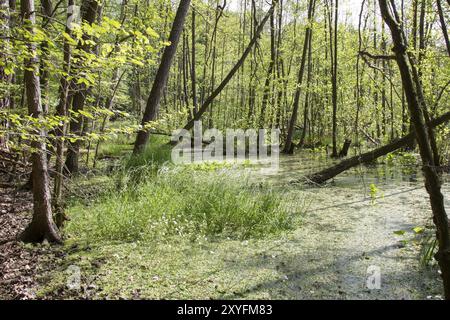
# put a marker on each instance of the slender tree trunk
(279, 62)
(416, 106)
(5, 78)
(231, 73)
(288, 145)
(383, 84)
(47, 12)
(12, 26)
(61, 110)
(307, 96)
(443, 26)
(185, 72)
(213, 56)
(162, 75)
(193, 64)
(422, 27)
(253, 67)
(42, 225)
(79, 92)
(266, 92)
(413, 36)
(359, 74)
(334, 81)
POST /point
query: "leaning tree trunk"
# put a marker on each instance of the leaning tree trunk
(416, 107)
(235, 68)
(151, 110)
(266, 92)
(290, 134)
(331, 172)
(307, 97)
(42, 225)
(443, 26)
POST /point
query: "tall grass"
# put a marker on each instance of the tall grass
(156, 154)
(155, 200)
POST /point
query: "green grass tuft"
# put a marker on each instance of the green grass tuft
(180, 202)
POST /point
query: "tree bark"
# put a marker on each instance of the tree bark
(42, 225)
(307, 95)
(266, 91)
(230, 74)
(193, 64)
(329, 173)
(443, 26)
(61, 110)
(5, 78)
(47, 12)
(279, 62)
(162, 75)
(79, 93)
(334, 81)
(416, 106)
(288, 145)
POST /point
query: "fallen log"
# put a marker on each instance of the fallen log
(331, 172)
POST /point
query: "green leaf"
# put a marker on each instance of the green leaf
(69, 38)
(151, 32)
(418, 229)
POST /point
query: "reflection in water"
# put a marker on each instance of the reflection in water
(293, 167)
(352, 223)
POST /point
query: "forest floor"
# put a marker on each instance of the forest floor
(344, 228)
(21, 265)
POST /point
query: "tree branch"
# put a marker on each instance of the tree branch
(376, 56)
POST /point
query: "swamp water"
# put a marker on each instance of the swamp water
(360, 226)
(370, 221)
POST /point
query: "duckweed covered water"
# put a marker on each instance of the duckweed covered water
(363, 220)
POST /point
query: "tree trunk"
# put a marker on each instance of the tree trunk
(329, 173)
(61, 110)
(345, 148)
(288, 145)
(416, 107)
(307, 95)
(193, 64)
(334, 81)
(443, 26)
(230, 74)
(47, 12)
(162, 75)
(5, 78)
(79, 92)
(42, 225)
(358, 73)
(279, 61)
(266, 92)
